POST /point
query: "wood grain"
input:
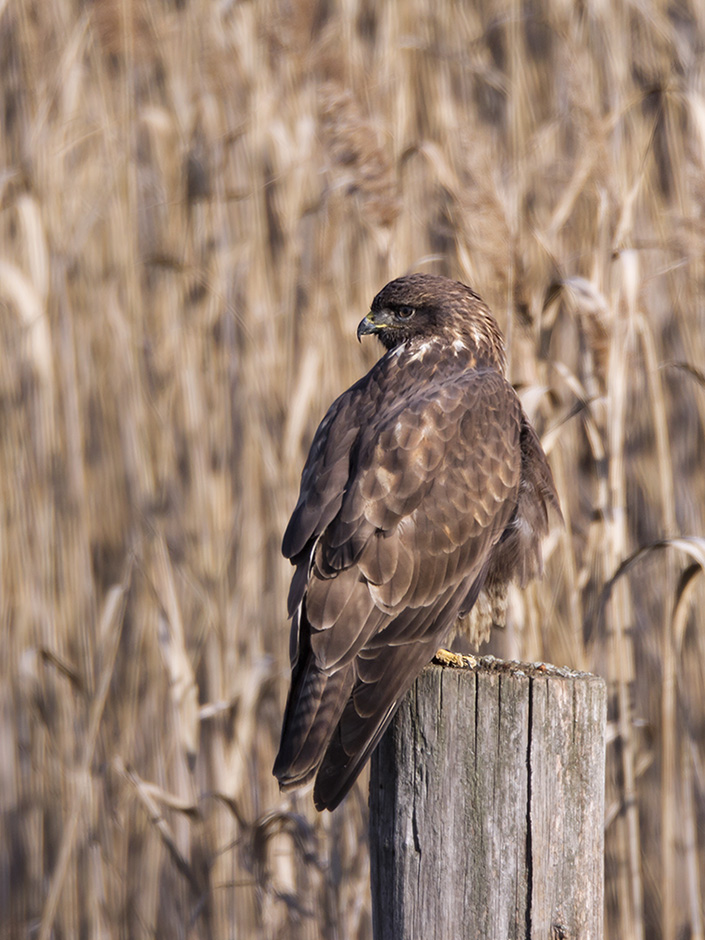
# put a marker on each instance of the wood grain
(487, 806)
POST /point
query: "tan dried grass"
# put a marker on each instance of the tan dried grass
(198, 201)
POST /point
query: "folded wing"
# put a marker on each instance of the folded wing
(404, 500)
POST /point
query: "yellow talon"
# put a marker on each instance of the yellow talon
(454, 660)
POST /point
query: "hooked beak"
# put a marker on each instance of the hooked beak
(375, 322)
(365, 326)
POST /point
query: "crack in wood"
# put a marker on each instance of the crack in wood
(486, 806)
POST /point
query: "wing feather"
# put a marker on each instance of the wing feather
(335, 648)
(404, 496)
(371, 706)
(380, 557)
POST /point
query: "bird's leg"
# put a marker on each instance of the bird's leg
(454, 660)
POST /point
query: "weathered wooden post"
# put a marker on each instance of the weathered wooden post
(487, 806)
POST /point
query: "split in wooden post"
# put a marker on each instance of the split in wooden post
(487, 806)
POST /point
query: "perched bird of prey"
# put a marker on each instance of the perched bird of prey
(425, 492)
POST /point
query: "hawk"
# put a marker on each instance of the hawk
(425, 492)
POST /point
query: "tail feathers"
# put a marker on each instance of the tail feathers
(340, 769)
(315, 704)
(366, 716)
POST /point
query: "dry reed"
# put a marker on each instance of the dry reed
(197, 203)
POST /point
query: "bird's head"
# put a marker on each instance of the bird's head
(424, 307)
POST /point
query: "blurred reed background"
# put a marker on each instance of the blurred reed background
(198, 201)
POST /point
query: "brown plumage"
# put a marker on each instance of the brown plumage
(425, 487)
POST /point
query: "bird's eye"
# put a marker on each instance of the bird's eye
(404, 313)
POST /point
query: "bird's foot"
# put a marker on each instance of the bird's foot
(454, 660)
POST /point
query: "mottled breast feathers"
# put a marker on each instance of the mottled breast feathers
(424, 483)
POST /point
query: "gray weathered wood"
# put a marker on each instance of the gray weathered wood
(487, 806)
